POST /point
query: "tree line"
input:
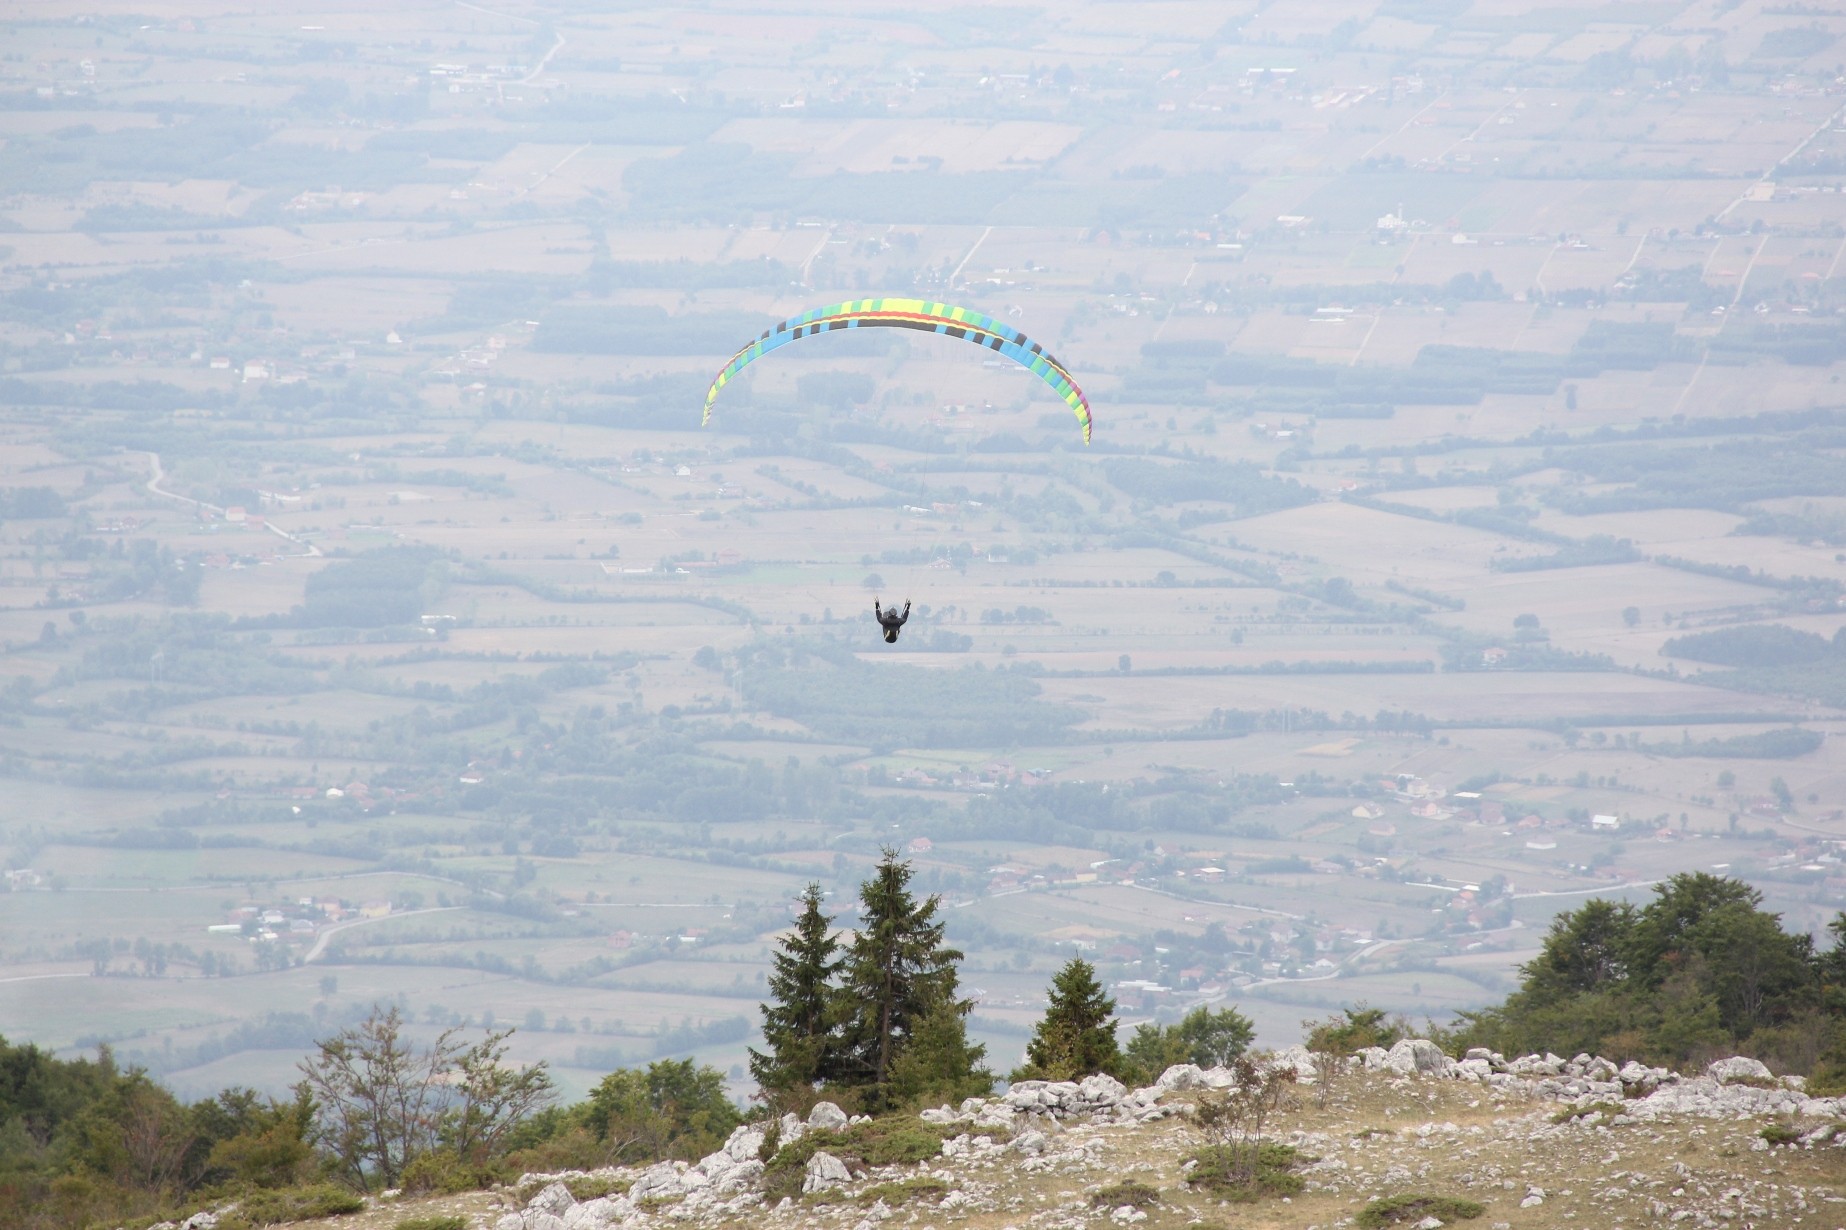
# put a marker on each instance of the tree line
(874, 1019)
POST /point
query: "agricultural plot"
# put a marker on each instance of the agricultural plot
(448, 661)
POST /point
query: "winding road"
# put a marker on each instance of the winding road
(154, 488)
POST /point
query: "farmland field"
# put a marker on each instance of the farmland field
(1462, 536)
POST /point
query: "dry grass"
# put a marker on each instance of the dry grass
(1379, 1139)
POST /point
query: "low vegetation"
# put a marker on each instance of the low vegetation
(1411, 1209)
(1130, 1192)
(1700, 971)
(890, 1140)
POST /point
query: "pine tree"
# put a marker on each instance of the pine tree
(940, 1064)
(896, 972)
(1076, 1038)
(801, 1018)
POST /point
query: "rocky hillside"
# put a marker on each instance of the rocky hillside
(1401, 1137)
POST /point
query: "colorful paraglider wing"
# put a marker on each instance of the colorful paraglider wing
(957, 322)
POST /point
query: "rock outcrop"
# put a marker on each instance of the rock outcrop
(1065, 1127)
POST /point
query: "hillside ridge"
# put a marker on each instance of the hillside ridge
(1535, 1141)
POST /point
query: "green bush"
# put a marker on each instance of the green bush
(268, 1208)
(581, 1186)
(1780, 1134)
(1243, 1174)
(433, 1221)
(1398, 1210)
(594, 1186)
(902, 1192)
(1129, 1192)
(891, 1140)
(442, 1173)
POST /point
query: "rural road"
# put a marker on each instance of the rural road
(154, 488)
(320, 941)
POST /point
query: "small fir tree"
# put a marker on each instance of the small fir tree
(1076, 1038)
(940, 1064)
(897, 970)
(801, 1019)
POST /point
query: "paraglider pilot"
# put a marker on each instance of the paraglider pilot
(891, 621)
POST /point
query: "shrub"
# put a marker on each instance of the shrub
(891, 1140)
(594, 1186)
(267, 1208)
(896, 1195)
(1245, 1173)
(1355, 1029)
(1411, 1209)
(581, 1186)
(442, 1173)
(1129, 1192)
(1780, 1134)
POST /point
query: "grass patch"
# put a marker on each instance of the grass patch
(1780, 1134)
(267, 1208)
(893, 1140)
(433, 1221)
(1128, 1192)
(1410, 1209)
(897, 1195)
(1242, 1174)
(1372, 1133)
(581, 1186)
(594, 1186)
(1607, 1109)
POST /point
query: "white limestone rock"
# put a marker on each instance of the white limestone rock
(530, 1219)
(744, 1144)
(1101, 1090)
(1412, 1056)
(1181, 1076)
(824, 1171)
(827, 1117)
(553, 1198)
(1739, 1068)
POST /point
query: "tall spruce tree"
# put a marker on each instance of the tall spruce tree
(897, 971)
(1076, 1037)
(801, 1019)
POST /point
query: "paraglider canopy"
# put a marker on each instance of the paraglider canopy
(958, 322)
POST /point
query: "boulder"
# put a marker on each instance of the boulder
(744, 1144)
(824, 1171)
(1219, 1077)
(1026, 1095)
(1298, 1058)
(1738, 1068)
(1474, 1069)
(530, 1219)
(1030, 1143)
(1181, 1076)
(657, 1181)
(553, 1198)
(827, 1117)
(1102, 1090)
(596, 1214)
(741, 1177)
(1414, 1055)
(204, 1219)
